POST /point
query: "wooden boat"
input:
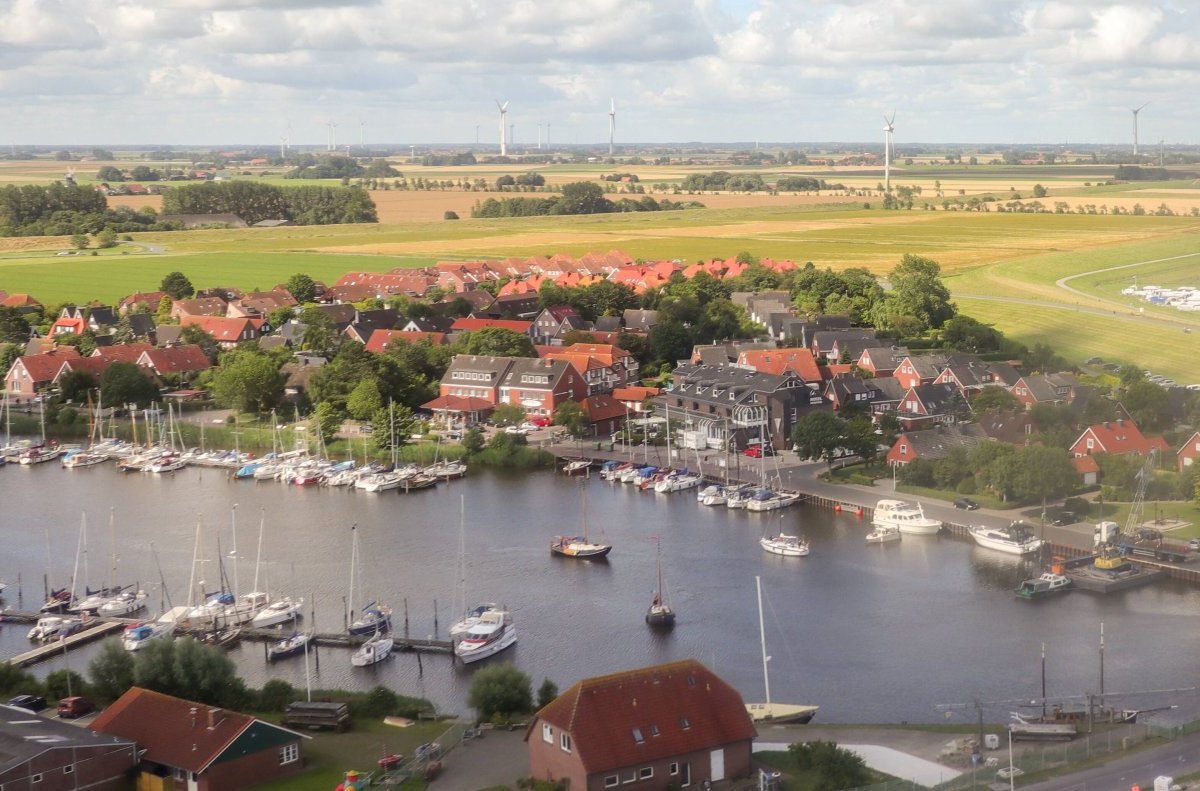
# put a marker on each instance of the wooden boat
(660, 613)
(579, 547)
(222, 637)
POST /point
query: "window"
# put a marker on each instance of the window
(653, 729)
(637, 735)
(1091, 443)
(612, 781)
(674, 769)
(903, 450)
(645, 773)
(68, 769)
(36, 779)
(630, 777)
(564, 741)
(288, 754)
(683, 723)
(547, 733)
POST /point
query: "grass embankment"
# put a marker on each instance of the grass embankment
(797, 778)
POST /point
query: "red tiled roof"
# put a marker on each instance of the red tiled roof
(459, 404)
(602, 407)
(381, 340)
(635, 393)
(19, 301)
(222, 329)
(1121, 436)
(830, 371)
(1085, 464)
(187, 358)
(474, 325)
(776, 361)
(174, 732)
(601, 714)
(43, 367)
(125, 352)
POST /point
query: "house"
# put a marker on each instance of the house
(199, 747)
(70, 321)
(539, 386)
(297, 374)
(675, 725)
(731, 405)
(183, 362)
(32, 373)
(776, 361)
(926, 404)
(101, 359)
(470, 389)
(800, 331)
(202, 306)
(514, 306)
(842, 344)
(553, 322)
(475, 325)
(22, 303)
(1012, 426)
(367, 321)
(440, 324)
(1045, 389)
(382, 340)
(477, 300)
(1118, 437)
(1088, 469)
(920, 369)
(52, 755)
(935, 443)
(881, 361)
(607, 366)
(640, 320)
(606, 414)
(968, 375)
(228, 333)
(1189, 452)
(634, 397)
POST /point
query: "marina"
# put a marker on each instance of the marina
(842, 624)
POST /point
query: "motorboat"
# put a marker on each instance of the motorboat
(577, 466)
(137, 636)
(905, 517)
(882, 535)
(493, 633)
(277, 612)
(377, 649)
(294, 644)
(1016, 539)
(246, 607)
(1045, 585)
(83, 458)
(51, 627)
(472, 617)
(578, 547)
(784, 544)
(124, 603)
(767, 500)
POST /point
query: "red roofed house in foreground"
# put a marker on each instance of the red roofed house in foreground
(1117, 437)
(200, 747)
(665, 726)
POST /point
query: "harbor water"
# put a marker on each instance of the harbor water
(873, 633)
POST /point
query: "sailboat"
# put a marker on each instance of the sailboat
(39, 454)
(246, 605)
(580, 547)
(472, 616)
(774, 712)
(373, 618)
(660, 613)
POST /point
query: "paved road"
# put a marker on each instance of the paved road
(1180, 757)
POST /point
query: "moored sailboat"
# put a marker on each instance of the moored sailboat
(769, 712)
(374, 650)
(580, 547)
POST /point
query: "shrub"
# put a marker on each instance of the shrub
(275, 695)
(1078, 505)
(450, 215)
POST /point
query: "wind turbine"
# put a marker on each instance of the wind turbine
(503, 108)
(887, 152)
(1135, 115)
(362, 126)
(332, 136)
(612, 124)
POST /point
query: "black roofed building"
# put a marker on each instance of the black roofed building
(50, 755)
(935, 443)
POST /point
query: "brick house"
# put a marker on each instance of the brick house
(675, 725)
(603, 365)
(935, 443)
(382, 340)
(924, 405)
(470, 389)
(200, 748)
(201, 306)
(50, 755)
(1045, 389)
(181, 361)
(634, 397)
(33, 372)
(1189, 452)
(540, 386)
(881, 361)
(1118, 437)
(605, 414)
(475, 325)
(776, 361)
(228, 333)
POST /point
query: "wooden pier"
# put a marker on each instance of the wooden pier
(93, 631)
(344, 640)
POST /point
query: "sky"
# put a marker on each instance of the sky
(418, 72)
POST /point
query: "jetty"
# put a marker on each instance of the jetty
(93, 630)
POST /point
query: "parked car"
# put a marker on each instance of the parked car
(76, 706)
(1094, 361)
(758, 451)
(965, 503)
(1065, 518)
(1194, 544)
(34, 703)
(515, 430)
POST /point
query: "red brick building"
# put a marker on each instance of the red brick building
(198, 747)
(676, 725)
(50, 755)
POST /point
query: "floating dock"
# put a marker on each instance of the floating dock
(94, 631)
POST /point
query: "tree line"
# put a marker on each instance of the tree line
(581, 197)
(308, 205)
(60, 210)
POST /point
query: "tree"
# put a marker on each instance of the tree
(177, 286)
(670, 342)
(508, 415)
(111, 672)
(570, 415)
(326, 422)
(13, 327)
(365, 400)
(582, 197)
(1046, 473)
(1039, 191)
(1148, 405)
(496, 342)
(79, 241)
(546, 694)
(472, 440)
(1129, 374)
(500, 692)
(248, 381)
(302, 287)
(64, 683)
(993, 397)
(123, 331)
(109, 173)
(819, 435)
(75, 385)
(125, 383)
(396, 433)
(918, 290)
(194, 334)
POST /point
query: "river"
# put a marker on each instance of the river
(871, 633)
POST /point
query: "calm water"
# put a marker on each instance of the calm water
(871, 633)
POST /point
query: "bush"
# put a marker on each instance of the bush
(275, 695)
(63, 684)
(450, 215)
(967, 486)
(1078, 505)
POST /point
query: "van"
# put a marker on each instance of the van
(70, 708)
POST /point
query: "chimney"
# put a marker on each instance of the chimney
(1121, 421)
(192, 712)
(212, 718)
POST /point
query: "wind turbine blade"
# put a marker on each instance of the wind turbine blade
(504, 107)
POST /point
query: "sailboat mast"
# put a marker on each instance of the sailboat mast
(462, 551)
(233, 552)
(659, 593)
(262, 523)
(112, 545)
(762, 633)
(78, 549)
(195, 557)
(353, 564)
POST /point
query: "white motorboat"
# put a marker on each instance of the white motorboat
(277, 612)
(1016, 539)
(905, 517)
(1049, 582)
(124, 603)
(718, 497)
(882, 535)
(137, 636)
(377, 649)
(493, 633)
(50, 627)
(577, 466)
(380, 482)
(246, 607)
(784, 544)
(83, 458)
(461, 627)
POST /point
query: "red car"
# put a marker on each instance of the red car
(758, 451)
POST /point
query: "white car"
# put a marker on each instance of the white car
(515, 430)
(530, 426)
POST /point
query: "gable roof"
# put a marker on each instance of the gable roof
(936, 443)
(776, 361)
(23, 737)
(677, 708)
(381, 340)
(43, 367)
(1120, 436)
(222, 329)
(474, 325)
(187, 358)
(175, 732)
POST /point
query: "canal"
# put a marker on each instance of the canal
(870, 633)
